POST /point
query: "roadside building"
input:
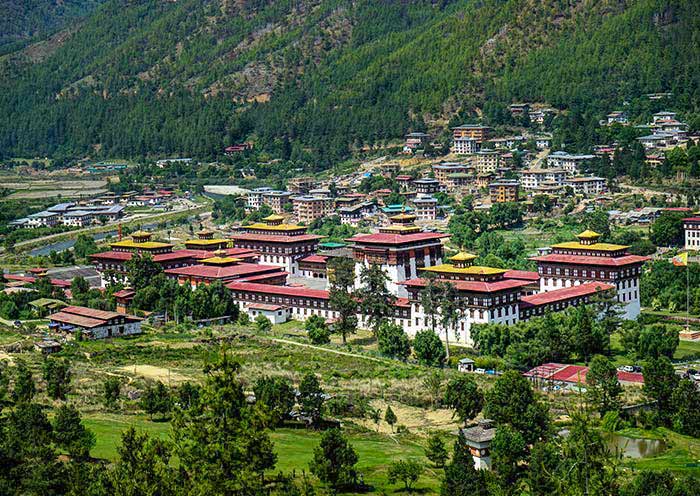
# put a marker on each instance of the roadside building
(533, 179)
(93, 324)
(572, 164)
(465, 145)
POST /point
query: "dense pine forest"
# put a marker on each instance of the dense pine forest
(147, 77)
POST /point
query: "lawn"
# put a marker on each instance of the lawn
(687, 350)
(294, 448)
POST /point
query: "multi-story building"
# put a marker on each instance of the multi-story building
(617, 117)
(354, 214)
(572, 164)
(532, 179)
(504, 191)
(487, 161)
(278, 243)
(586, 185)
(444, 169)
(277, 200)
(301, 185)
(224, 268)
(427, 186)
(465, 145)
(519, 109)
(255, 197)
(401, 249)
(206, 241)
(589, 260)
(475, 131)
(691, 226)
(425, 207)
(415, 141)
(663, 116)
(308, 208)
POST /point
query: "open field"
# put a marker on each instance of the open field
(42, 188)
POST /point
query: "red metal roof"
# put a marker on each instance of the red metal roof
(475, 286)
(692, 219)
(264, 277)
(59, 283)
(315, 259)
(275, 238)
(395, 239)
(216, 272)
(124, 293)
(588, 260)
(575, 374)
(113, 255)
(563, 294)
(278, 290)
(527, 275)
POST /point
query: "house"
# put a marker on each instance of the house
(663, 116)
(300, 185)
(355, 214)
(518, 110)
(617, 117)
(94, 324)
(415, 141)
(533, 179)
(425, 207)
(47, 346)
(277, 200)
(255, 197)
(442, 170)
(427, 186)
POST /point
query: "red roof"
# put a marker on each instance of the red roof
(315, 259)
(396, 239)
(91, 312)
(575, 374)
(124, 293)
(59, 283)
(78, 320)
(475, 286)
(588, 260)
(527, 275)
(264, 277)
(113, 255)
(217, 272)
(678, 209)
(692, 219)
(265, 306)
(563, 294)
(278, 290)
(275, 238)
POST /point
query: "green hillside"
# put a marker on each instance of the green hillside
(151, 77)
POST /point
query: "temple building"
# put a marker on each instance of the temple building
(401, 249)
(485, 295)
(575, 263)
(224, 268)
(205, 241)
(111, 264)
(278, 243)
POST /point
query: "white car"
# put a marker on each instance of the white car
(479, 371)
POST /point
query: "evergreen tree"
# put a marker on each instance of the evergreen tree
(334, 460)
(376, 302)
(57, 375)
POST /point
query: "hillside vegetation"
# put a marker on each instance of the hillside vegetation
(189, 77)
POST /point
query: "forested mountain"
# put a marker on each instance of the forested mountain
(144, 77)
(25, 20)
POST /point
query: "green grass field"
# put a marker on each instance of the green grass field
(294, 448)
(682, 453)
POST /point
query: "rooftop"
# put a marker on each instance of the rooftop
(563, 294)
(591, 260)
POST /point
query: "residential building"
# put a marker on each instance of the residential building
(572, 164)
(255, 197)
(355, 214)
(504, 191)
(308, 208)
(94, 324)
(518, 110)
(465, 145)
(277, 200)
(534, 178)
(586, 185)
(476, 131)
(663, 116)
(415, 141)
(487, 161)
(427, 186)
(543, 142)
(425, 207)
(617, 117)
(691, 226)
(589, 260)
(444, 169)
(301, 185)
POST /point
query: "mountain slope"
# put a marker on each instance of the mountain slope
(147, 76)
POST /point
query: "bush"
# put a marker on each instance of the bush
(429, 349)
(263, 324)
(393, 341)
